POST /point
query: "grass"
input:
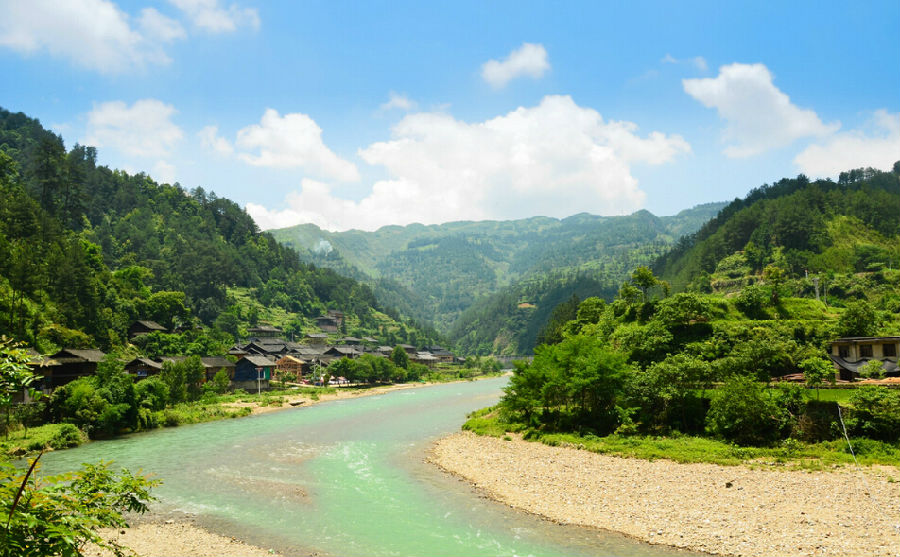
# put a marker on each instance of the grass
(692, 449)
(21, 441)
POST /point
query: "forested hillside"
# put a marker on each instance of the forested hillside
(490, 285)
(86, 250)
(799, 226)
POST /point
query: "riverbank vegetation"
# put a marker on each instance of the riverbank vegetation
(711, 373)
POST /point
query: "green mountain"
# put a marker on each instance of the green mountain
(470, 278)
(86, 250)
(798, 227)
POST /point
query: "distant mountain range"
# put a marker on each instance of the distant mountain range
(444, 273)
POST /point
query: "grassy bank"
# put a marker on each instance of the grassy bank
(686, 448)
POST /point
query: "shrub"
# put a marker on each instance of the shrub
(875, 413)
(67, 436)
(745, 412)
(819, 422)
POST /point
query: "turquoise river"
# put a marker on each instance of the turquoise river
(346, 477)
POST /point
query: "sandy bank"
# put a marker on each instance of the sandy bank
(176, 539)
(728, 510)
(299, 399)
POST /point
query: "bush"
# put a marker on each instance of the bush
(67, 436)
(818, 423)
(745, 412)
(875, 413)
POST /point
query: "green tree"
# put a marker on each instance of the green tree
(746, 412)
(817, 370)
(643, 278)
(220, 381)
(858, 320)
(15, 375)
(59, 515)
(400, 357)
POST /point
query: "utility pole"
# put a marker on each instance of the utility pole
(816, 283)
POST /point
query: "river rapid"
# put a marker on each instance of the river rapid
(346, 477)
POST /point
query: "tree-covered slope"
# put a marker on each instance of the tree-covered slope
(445, 269)
(799, 226)
(86, 250)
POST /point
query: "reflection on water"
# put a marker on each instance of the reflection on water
(343, 478)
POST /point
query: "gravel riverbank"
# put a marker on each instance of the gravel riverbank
(726, 510)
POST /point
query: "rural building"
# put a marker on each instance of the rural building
(327, 323)
(316, 338)
(69, 364)
(291, 364)
(265, 331)
(212, 365)
(252, 372)
(849, 353)
(142, 368)
(143, 327)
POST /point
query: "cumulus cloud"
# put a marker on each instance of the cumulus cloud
(144, 129)
(529, 60)
(213, 18)
(758, 116)
(553, 159)
(210, 139)
(398, 101)
(93, 34)
(292, 141)
(879, 148)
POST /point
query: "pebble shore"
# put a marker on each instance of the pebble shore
(724, 510)
(176, 539)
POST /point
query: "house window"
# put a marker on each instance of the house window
(844, 351)
(865, 350)
(889, 350)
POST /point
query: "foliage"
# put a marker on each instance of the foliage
(15, 375)
(576, 383)
(745, 412)
(817, 370)
(59, 515)
(857, 320)
(666, 393)
(873, 369)
(876, 413)
(86, 250)
(400, 358)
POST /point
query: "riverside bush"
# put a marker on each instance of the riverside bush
(875, 413)
(745, 412)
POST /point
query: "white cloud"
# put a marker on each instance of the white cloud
(289, 141)
(855, 149)
(144, 129)
(528, 60)
(398, 101)
(155, 24)
(698, 62)
(164, 172)
(210, 16)
(94, 34)
(553, 159)
(210, 139)
(758, 116)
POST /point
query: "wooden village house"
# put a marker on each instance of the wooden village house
(69, 364)
(253, 372)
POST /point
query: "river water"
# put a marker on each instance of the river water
(342, 478)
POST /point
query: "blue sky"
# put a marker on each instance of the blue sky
(362, 114)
